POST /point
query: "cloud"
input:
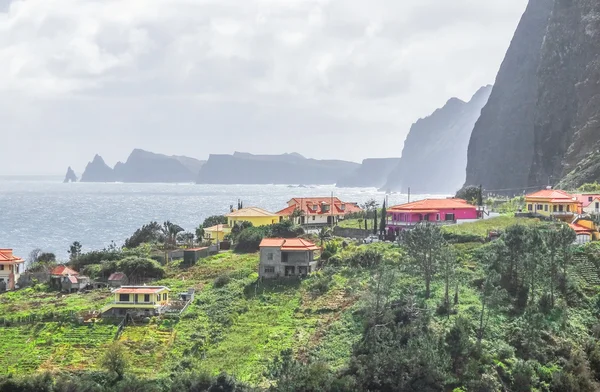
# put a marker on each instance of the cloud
(141, 66)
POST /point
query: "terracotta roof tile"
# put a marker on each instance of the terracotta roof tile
(555, 194)
(7, 257)
(63, 270)
(312, 206)
(433, 205)
(288, 244)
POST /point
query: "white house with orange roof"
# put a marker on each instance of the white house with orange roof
(286, 257)
(318, 210)
(11, 268)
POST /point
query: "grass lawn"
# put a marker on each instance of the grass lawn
(355, 224)
(482, 227)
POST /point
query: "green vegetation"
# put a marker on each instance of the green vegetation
(519, 313)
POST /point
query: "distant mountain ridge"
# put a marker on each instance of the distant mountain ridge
(144, 167)
(434, 157)
(372, 173)
(246, 168)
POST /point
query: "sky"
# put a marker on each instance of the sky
(340, 79)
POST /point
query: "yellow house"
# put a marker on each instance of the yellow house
(140, 300)
(553, 203)
(585, 229)
(256, 216)
(217, 232)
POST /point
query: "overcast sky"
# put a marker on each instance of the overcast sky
(325, 78)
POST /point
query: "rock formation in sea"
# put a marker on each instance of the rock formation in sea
(245, 168)
(373, 172)
(144, 166)
(98, 171)
(434, 156)
(70, 176)
(542, 122)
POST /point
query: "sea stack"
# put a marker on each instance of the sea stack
(70, 176)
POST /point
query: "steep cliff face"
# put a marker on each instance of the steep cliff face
(70, 176)
(98, 171)
(501, 148)
(244, 168)
(145, 166)
(435, 151)
(567, 121)
(371, 173)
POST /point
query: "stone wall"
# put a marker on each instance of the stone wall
(347, 232)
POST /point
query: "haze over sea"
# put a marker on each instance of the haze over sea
(42, 212)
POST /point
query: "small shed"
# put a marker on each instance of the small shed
(191, 256)
(72, 284)
(117, 279)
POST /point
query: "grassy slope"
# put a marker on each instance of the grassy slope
(237, 328)
(481, 228)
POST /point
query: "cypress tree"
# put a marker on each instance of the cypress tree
(383, 219)
(375, 221)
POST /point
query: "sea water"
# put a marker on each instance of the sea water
(42, 212)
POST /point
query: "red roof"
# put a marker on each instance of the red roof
(580, 229)
(432, 205)
(288, 244)
(63, 270)
(585, 199)
(72, 279)
(555, 195)
(312, 206)
(7, 257)
(195, 249)
(140, 289)
(117, 276)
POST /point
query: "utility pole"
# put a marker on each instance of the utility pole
(409, 194)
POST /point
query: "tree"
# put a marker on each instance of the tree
(249, 239)
(534, 259)
(214, 220)
(383, 223)
(199, 233)
(458, 344)
(424, 246)
(471, 193)
(148, 233)
(375, 222)
(114, 360)
(491, 295)
(448, 266)
(297, 215)
(75, 250)
(47, 257)
(516, 238)
(186, 237)
(558, 241)
(360, 222)
(324, 235)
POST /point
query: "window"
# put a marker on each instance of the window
(449, 217)
(123, 297)
(146, 297)
(437, 217)
(269, 270)
(546, 207)
(569, 208)
(590, 198)
(529, 207)
(554, 208)
(561, 208)
(270, 256)
(164, 296)
(158, 298)
(1, 268)
(314, 217)
(597, 205)
(540, 207)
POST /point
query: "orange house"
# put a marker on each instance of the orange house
(11, 267)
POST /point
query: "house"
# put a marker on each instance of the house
(117, 279)
(191, 256)
(553, 203)
(11, 267)
(256, 216)
(216, 233)
(590, 203)
(58, 273)
(585, 229)
(318, 210)
(73, 284)
(142, 301)
(281, 257)
(439, 211)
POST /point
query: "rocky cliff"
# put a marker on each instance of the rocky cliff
(244, 168)
(542, 122)
(144, 166)
(70, 176)
(371, 173)
(434, 157)
(98, 171)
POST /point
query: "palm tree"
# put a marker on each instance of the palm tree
(187, 237)
(169, 233)
(324, 235)
(298, 213)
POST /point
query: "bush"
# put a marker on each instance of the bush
(221, 281)
(319, 283)
(286, 229)
(249, 240)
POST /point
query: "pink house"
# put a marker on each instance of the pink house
(590, 203)
(429, 210)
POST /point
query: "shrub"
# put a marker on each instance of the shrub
(319, 283)
(249, 240)
(221, 281)
(286, 229)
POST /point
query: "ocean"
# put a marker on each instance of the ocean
(42, 212)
